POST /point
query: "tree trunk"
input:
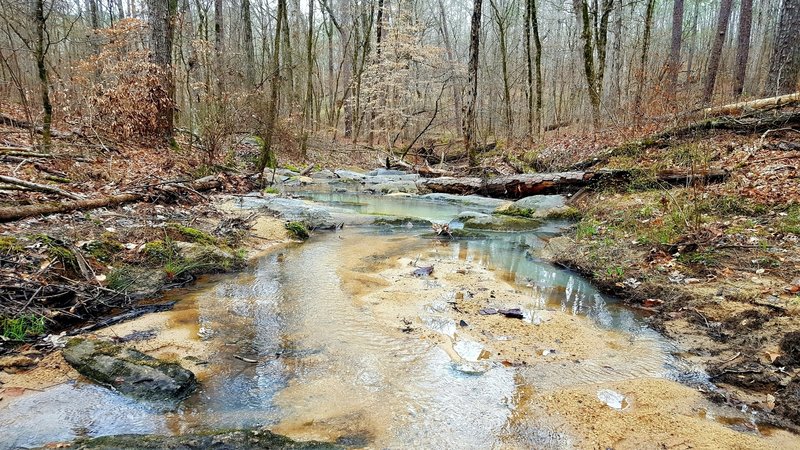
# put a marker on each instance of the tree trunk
(472, 85)
(219, 44)
(11, 213)
(742, 47)
(451, 59)
(501, 31)
(537, 116)
(601, 42)
(585, 25)
(648, 25)
(249, 51)
(161, 16)
(674, 64)
(40, 51)
(528, 64)
(345, 37)
(308, 111)
(267, 155)
(724, 17)
(784, 66)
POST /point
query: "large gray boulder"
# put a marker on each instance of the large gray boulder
(129, 371)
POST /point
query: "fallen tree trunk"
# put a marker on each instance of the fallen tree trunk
(11, 213)
(39, 187)
(517, 186)
(762, 103)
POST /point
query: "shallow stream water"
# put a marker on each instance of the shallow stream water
(327, 369)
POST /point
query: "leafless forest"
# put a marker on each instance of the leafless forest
(388, 74)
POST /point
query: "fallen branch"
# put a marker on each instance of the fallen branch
(39, 187)
(132, 314)
(8, 214)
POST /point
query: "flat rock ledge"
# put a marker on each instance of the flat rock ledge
(237, 439)
(129, 371)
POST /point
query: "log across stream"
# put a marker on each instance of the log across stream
(337, 340)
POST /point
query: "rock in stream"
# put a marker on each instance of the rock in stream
(129, 371)
(238, 439)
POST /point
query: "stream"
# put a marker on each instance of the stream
(351, 348)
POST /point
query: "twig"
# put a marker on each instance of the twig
(247, 360)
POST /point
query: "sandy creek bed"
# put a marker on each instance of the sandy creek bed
(351, 347)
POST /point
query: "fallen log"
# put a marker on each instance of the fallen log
(39, 187)
(11, 213)
(762, 103)
(523, 185)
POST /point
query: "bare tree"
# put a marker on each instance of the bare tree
(585, 25)
(162, 15)
(469, 124)
(674, 63)
(742, 46)
(267, 157)
(247, 38)
(716, 50)
(784, 65)
(41, 46)
(648, 26)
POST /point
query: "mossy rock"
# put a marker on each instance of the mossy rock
(129, 371)
(501, 223)
(9, 245)
(104, 249)
(402, 221)
(57, 249)
(192, 234)
(159, 250)
(298, 230)
(225, 439)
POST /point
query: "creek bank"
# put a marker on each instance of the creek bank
(129, 371)
(238, 439)
(724, 290)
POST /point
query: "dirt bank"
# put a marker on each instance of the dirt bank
(717, 267)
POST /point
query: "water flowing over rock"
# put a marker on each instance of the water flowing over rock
(129, 371)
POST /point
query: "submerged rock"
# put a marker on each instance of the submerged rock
(501, 223)
(468, 200)
(129, 371)
(393, 187)
(407, 222)
(238, 439)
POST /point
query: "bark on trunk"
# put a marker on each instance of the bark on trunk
(162, 14)
(648, 24)
(716, 50)
(40, 51)
(249, 51)
(675, 46)
(472, 85)
(784, 67)
(584, 24)
(267, 155)
(742, 47)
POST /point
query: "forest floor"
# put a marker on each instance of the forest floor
(716, 266)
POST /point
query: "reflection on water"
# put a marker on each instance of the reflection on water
(326, 369)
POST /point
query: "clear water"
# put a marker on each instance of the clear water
(327, 369)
